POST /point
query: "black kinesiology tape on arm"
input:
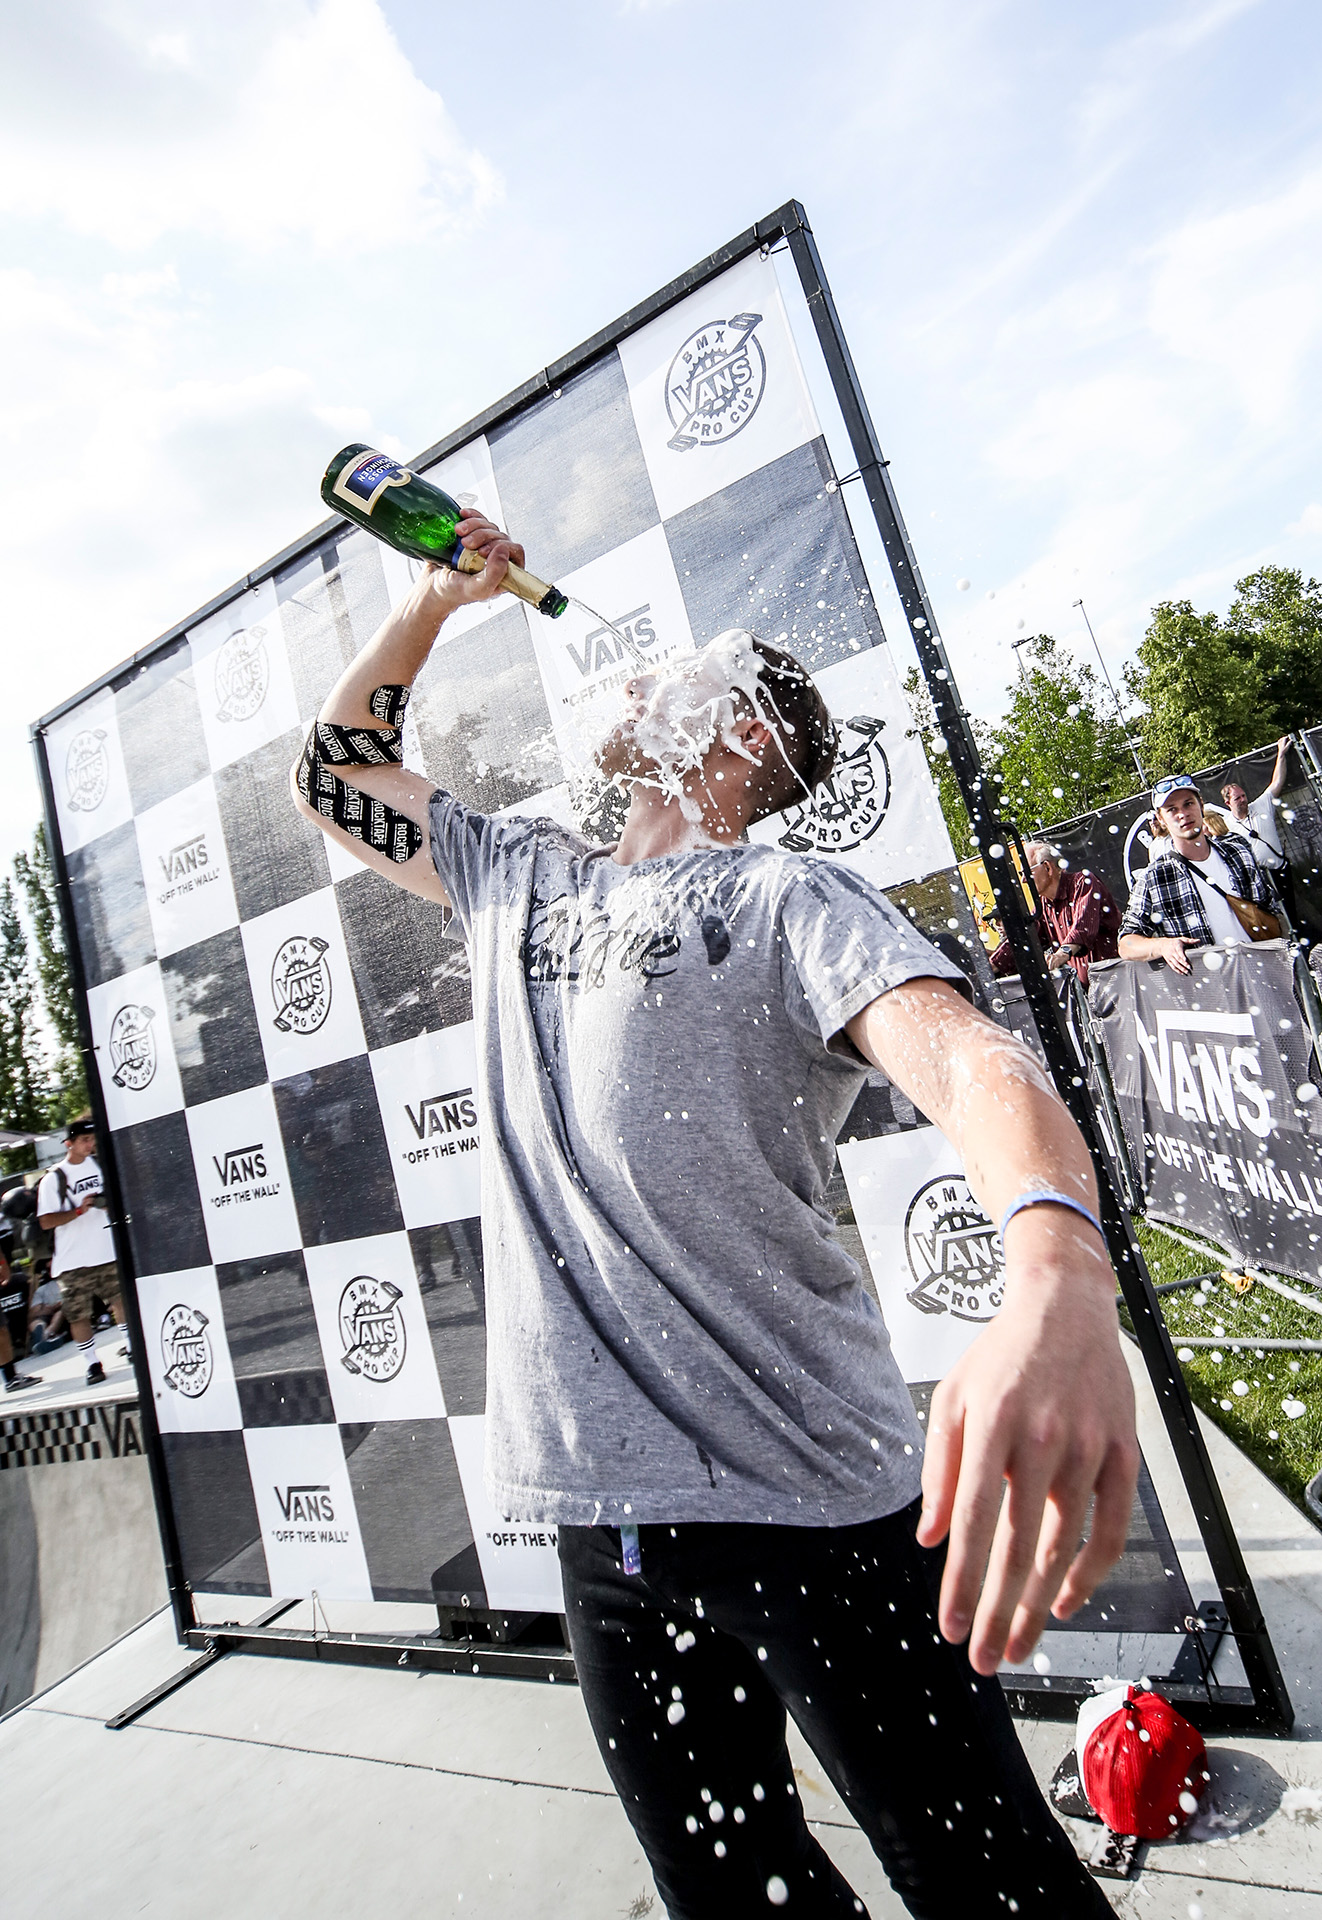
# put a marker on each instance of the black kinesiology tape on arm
(329, 747)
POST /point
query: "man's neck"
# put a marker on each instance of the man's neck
(657, 825)
(1240, 810)
(1196, 849)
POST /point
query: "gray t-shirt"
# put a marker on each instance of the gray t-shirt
(674, 1331)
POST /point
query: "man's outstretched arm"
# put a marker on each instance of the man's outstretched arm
(1037, 1419)
(394, 657)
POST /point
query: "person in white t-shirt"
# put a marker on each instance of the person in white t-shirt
(71, 1204)
(1256, 822)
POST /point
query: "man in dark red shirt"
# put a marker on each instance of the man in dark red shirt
(1077, 922)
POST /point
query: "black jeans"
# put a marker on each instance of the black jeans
(688, 1669)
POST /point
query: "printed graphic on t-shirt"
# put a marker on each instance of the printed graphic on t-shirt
(640, 931)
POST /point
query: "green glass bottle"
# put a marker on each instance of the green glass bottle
(417, 518)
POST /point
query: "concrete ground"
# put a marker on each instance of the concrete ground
(288, 1788)
(64, 1377)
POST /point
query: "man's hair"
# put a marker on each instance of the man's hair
(1047, 847)
(804, 727)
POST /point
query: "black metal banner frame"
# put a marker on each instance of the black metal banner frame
(1265, 1703)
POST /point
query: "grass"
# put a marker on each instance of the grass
(1289, 1450)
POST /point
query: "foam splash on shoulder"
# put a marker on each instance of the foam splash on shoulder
(693, 703)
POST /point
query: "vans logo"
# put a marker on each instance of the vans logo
(186, 1348)
(604, 647)
(189, 857)
(715, 382)
(306, 1503)
(301, 984)
(242, 674)
(241, 1165)
(372, 1328)
(954, 1252)
(848, 808)
(133, 1048)
(1211, 1079)
(443, 1113)
(86, 770)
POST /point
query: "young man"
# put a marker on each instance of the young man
(686, 1374)
(1180, 898)
(70, 1204)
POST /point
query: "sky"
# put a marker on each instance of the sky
(1077, 251)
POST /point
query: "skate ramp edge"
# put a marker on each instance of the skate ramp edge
(80, 1554)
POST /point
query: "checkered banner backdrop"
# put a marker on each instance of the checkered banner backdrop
(284, 1041)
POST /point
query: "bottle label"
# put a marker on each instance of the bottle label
(364, 480)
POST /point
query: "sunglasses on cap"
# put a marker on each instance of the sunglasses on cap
(1173, 783)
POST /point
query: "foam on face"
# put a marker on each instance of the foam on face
(693, 702)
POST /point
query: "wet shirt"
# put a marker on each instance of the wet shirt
(674, 1331)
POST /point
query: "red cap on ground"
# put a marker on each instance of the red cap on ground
(1143, 1767)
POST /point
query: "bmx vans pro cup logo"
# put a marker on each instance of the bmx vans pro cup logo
(243, 674)
(954, 1252)
(372, 1328)
(133, 1047)
(848, 808)
(715, 382)
(301, 984)
(186, 1348)
(87, 770)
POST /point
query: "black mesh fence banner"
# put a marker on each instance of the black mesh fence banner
(1217, 1084)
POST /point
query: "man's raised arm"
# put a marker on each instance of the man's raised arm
(373, 805)
(1040, 1409)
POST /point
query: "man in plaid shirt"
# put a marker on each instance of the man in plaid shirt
(1181, 900)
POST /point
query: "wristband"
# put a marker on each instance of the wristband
(1047, 1196)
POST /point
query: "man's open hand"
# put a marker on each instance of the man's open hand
(1031, 1425)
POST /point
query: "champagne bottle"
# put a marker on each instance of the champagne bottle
(417, 518)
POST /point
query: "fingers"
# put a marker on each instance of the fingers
(973, 1525)
(1008, 1558)
(1063, 1521)
(481, 535)
(941, 1464)
(1110, 1527)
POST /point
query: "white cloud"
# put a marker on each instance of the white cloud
(1241, 293)
(266, 121)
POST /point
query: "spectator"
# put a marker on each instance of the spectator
(15, 1382)
(71, 1204)
(1183, 897)
(1077, 920)
(48, 1325)
(1255, 821)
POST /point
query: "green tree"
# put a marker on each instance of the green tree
(1275, 622)
(925, 729)
(37, 880)
(23, 1100)
(1060, 750)
(1203, 697)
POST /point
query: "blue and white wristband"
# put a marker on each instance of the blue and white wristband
(1047, 1197)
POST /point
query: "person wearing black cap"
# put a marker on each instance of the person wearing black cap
(71, 1204)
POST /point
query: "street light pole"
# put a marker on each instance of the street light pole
(1124, 724)
(1015, 645)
